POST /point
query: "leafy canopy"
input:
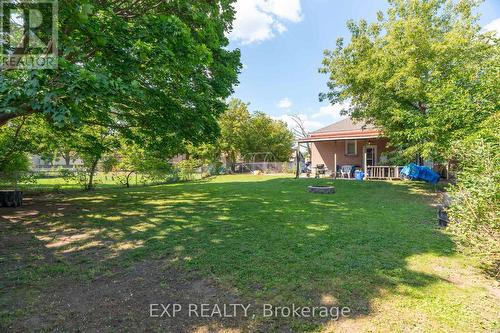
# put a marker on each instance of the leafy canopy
(423, 72)
(244, 133)
(157, 71)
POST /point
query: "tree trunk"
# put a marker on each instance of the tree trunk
(232, 162)
(66, 155)
(128, 177)
(90, 185)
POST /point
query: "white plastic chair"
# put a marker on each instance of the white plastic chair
(346, 170)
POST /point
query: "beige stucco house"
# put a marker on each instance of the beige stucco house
(347, 143)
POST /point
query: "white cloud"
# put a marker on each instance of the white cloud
(259, 20)
(285, 9)
(493, 26)
(325, 116)
(330, 111)
(309, 124)
(285, 103)
(280, 27)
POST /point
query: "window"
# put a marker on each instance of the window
(351, 147)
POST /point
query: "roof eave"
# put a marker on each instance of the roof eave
(332, 137)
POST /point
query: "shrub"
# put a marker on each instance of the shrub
(79, 175)
(474, 212)
(15, 169)
(187, 168)
(109, 163)
(215, 168)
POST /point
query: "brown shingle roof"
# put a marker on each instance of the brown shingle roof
(344, 125)
(343, 130)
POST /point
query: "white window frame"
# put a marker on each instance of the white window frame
(355, 147)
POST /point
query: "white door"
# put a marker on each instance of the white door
(371, 155)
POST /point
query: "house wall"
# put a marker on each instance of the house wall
(323, 152)
(177, 158)
(38, 163)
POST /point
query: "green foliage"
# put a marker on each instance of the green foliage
(150, 164)
(17, 163)
(233, 125)
(163, 68)
(216, 168)
(243, 133)
(187, 168)
(79, 176)
(423, 72)
(264, 134)
(110, 162)
(475, 205)
(207, 153)
(15, 141)
(16, 169)
(91, 143)
(14, 162)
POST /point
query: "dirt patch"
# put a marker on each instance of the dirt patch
(117, 301)
(122, 303)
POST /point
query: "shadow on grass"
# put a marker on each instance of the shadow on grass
(271, 241)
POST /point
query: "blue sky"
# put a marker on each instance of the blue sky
(282, 43)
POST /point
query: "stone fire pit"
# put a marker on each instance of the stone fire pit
(323, 189)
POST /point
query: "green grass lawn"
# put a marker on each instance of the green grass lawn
(372, 246)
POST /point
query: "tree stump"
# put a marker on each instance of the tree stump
(442, 213)
(442, 216)
(321, 189)
(11, 198)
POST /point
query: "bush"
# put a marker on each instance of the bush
(109, 163)
(79, 175)
(474, 212)
(215, 168)
(187, 168)
(15, 169)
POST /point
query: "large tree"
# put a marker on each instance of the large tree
(424, 73)
(265, 135)
(243, 134)
(159, 66)
(233, 125)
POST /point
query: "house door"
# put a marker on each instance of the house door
(371, 155)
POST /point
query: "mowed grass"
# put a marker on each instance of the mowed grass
(372, 246)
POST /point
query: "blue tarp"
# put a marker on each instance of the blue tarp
(415, 172)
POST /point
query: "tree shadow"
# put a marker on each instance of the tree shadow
(268, 241)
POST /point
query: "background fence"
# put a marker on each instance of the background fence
(61, 178)
(64, 179)
(265, 167)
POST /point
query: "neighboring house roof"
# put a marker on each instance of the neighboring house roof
(344, 129)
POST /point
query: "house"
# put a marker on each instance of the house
(67, 162)
(349, 143)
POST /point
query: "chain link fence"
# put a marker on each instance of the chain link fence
(47, 180)
(265, 167)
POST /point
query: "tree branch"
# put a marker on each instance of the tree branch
(5, 117)
(9, 153)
